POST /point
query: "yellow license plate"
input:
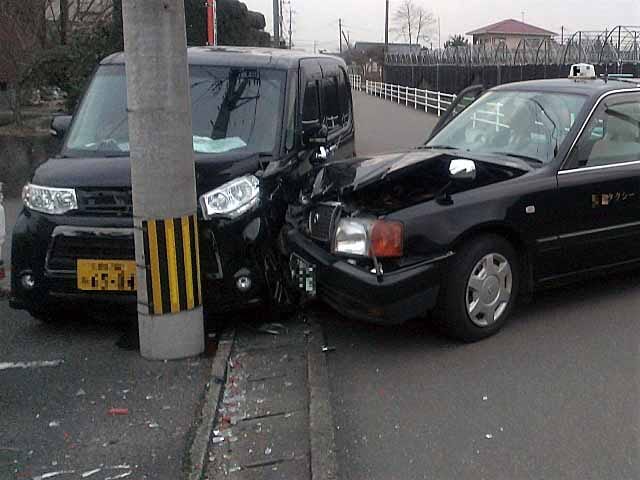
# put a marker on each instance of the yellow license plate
(106, 275)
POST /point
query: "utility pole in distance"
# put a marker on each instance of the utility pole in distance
(163, 180)
(290, 26)
(276, 23)
(386, 37)
(340, 33)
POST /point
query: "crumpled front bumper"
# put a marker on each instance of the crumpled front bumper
(402, 294)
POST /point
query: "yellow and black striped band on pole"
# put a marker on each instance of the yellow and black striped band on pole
(172, 258)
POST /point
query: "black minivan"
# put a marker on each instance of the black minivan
(263, 121)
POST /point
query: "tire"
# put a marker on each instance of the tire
(480, 289)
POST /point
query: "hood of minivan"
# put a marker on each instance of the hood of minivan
(115, 172)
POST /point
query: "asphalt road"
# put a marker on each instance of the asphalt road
(555, 395)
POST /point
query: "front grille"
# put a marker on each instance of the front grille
(105, 202)
(322, 221)
(66, 250)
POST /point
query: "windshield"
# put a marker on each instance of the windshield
(531, 125)
(233, 109)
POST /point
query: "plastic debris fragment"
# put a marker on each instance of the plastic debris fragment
(272, 328)
(216, 440)
(122, 475)
(91, 472)
(488, 436)
(54, 423)
(267, 451)
(81, 393)
(44, 476)
(118, 411)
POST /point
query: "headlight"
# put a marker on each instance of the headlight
(352, 237)
(54, 201)
(231, 199)
(369, 238)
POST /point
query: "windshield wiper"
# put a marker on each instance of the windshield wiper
(521, 157)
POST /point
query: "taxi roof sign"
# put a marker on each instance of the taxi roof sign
(582, 71)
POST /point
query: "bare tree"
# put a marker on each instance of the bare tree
(413, 22)
(68, 16)
(22, 36)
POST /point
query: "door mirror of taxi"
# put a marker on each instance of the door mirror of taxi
(462, 170)
(59, 125)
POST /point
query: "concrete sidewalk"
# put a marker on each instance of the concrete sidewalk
(274, 420)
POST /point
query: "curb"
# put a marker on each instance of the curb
(324, 464)
(197, 451)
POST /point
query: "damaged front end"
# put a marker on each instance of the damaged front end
(360, 234)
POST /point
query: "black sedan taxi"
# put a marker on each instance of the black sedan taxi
(522, 186)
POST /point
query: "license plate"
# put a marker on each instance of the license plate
(303, 274)
(106, 275)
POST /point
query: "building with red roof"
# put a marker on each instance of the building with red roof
(510, 32)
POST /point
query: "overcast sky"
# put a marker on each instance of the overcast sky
(317, 20)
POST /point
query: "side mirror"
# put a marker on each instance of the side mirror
(461, 169)
(59, 125)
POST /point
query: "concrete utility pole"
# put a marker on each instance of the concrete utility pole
(276, 23)
(163, 180)
(386, 27)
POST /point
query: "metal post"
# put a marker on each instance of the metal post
(579, 47)
(276, 23)
(439, 103)
(340, 33)
(163, 180)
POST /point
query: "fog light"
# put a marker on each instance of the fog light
(244, 284)
(28, 281)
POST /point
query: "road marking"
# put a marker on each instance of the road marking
(37, 364)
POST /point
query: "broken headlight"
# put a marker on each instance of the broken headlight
(231, 199)
(352, 237)
(54, 201)
(369, 238)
